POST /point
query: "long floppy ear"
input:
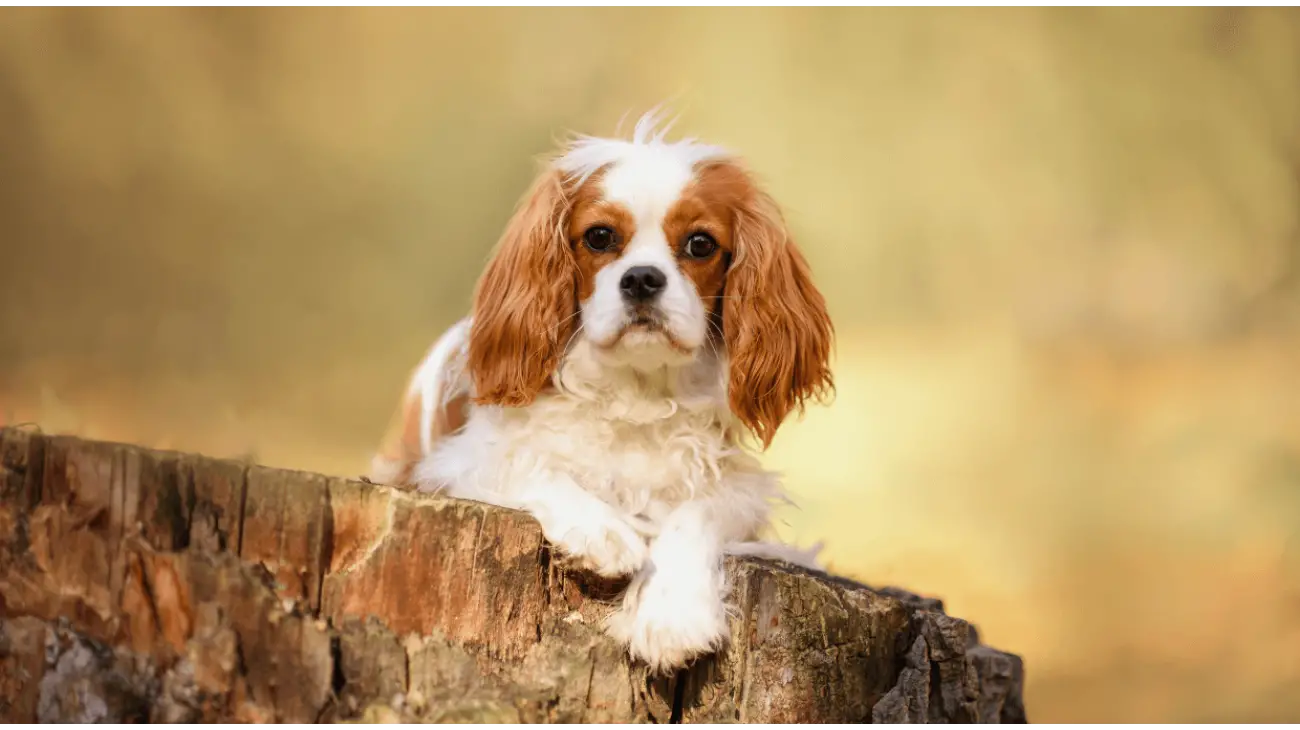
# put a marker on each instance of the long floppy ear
(777, 331)
(525, 300)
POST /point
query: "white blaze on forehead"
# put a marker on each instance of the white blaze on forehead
(646, 172)
(647, 182)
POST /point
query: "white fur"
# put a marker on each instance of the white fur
(633, 464)
(675, 607)
(440, 376)
(438, 379)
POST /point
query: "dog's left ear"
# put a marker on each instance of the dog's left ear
(775, 325)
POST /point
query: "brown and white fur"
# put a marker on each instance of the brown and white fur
(645, 325)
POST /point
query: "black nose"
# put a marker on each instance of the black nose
(642, 283)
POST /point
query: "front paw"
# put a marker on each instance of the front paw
(666, 626)
(608, 546)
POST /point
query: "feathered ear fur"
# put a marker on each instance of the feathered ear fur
(777, 331)
(525, 300)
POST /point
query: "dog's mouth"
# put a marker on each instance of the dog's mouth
(642, 327)
(644, 322)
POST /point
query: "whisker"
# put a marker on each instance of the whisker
(559, 369)
(558, 325)
(572, 337)
(715, 326)
(563, 322)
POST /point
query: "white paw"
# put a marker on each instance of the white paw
(608, 546)
(666, 626)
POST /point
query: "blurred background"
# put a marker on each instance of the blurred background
(1062, 248)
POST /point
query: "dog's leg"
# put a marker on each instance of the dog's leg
(583, 526)
(675, 608)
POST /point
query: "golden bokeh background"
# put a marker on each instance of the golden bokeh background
(1062, 248)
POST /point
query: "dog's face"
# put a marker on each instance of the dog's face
(652, 240)
(652, 252)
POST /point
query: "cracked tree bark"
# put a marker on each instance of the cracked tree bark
(147, 585)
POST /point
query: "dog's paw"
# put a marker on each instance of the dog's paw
(608, 546)
(666, 627)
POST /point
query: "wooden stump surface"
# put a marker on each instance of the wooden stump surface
(142, 585)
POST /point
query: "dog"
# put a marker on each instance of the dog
(645, 325)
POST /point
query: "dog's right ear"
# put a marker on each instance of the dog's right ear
(525, 300)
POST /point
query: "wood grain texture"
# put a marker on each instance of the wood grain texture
(146, 585)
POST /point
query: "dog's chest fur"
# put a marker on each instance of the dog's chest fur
(643, 442)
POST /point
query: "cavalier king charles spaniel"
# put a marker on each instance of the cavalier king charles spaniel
(645, 325)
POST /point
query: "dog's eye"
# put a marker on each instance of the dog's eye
(600, 238)
(700, 246)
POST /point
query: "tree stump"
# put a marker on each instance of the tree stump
(142, 585)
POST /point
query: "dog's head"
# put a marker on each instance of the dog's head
(652, 252)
